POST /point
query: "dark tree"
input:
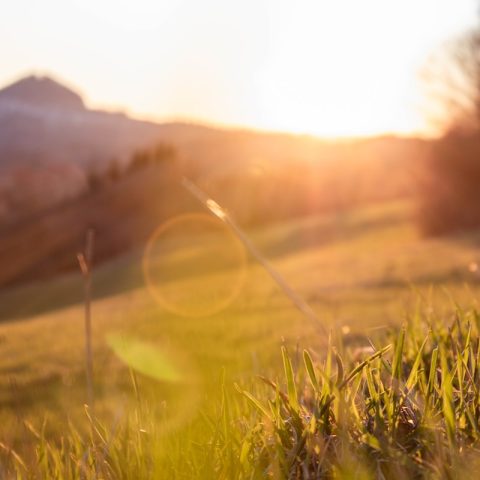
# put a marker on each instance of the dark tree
(114, 171)
(452, 79)
(160, 154)
(450, 190)
(95, 180)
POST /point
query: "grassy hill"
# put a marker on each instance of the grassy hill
(315, 178)
(122, 215)
(360, 270)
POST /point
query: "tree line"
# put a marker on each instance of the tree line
(450, 187)
(159, 154)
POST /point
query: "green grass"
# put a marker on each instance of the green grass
(363, 272)
(407, 410)
(405, 406)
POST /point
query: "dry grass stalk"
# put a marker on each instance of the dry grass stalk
(222, 215)
(85, 261)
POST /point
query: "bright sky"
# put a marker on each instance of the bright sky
(327, 67)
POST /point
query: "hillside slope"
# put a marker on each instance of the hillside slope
(125, 212)
(122, 215)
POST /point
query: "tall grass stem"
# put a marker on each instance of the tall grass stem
(222, 215)
(85, 260)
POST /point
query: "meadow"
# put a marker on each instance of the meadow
(178, 396)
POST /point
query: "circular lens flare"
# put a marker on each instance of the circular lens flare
(194, 266)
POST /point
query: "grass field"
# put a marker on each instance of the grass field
(362, 271)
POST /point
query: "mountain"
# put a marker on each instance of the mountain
(42, 92)
(50, 142)
(42, 121)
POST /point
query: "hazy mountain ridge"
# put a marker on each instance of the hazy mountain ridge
(49, 142)
(43, 92)
(43, 121)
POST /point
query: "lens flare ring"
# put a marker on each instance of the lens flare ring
(194, 266)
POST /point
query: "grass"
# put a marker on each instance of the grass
(182, 417)
(408, 409)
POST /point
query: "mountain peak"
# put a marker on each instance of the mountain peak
(42, 91)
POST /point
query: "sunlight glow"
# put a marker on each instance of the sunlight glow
(144, 358)
(328, 68)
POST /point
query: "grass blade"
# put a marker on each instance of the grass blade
(291, 387)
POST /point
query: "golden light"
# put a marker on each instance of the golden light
(144, 358)
(309, 66)
(177, 377)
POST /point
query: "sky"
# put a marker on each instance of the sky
(323, 67)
